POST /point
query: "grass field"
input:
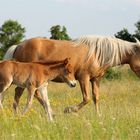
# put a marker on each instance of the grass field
(119, 120)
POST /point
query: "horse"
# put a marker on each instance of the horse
(91, 57)
(34, 76)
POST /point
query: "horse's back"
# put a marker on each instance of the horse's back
(38, 49)
(33, 49)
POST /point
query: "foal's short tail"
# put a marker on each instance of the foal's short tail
(9, 54)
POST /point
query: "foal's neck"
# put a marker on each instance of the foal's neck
(54, 71)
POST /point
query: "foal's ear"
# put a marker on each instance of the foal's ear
(66, 61)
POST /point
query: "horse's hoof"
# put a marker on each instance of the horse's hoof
(70, 109)
(67, 110)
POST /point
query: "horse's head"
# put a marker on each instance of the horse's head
(68, 73)
(135, 58)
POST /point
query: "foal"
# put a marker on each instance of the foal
(34, 76)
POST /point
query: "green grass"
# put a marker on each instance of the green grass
(119, 120)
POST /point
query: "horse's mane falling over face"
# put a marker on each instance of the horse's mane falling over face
(108, 50)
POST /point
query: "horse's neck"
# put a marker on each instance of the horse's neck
(124, 59)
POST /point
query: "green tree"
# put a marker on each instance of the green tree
(125, 35)
(11, 33)
(59, 33)
(137, 32)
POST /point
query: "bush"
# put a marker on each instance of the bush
(112, 74)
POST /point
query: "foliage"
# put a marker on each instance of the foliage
(112, 74)
(59, 33)
(125, 35)
(137, 32)
(11, 33)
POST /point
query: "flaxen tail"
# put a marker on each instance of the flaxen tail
(9, 54)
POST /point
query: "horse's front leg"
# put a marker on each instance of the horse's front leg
(84, 84)
(95, 93)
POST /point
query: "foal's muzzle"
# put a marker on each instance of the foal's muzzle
(72, 83)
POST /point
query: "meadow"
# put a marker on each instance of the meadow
(119, 109)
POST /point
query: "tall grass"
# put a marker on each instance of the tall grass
(119, 120)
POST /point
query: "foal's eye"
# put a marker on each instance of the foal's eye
(69, 71)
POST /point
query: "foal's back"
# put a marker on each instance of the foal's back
(21, 73)
(6, 74)
(6, 68)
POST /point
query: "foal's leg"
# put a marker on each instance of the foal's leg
(3, 88)
(38, 96)
(1, 100)
(44, 94)
(95, 93)
(18, 94)
(31, 92)
(84, 84)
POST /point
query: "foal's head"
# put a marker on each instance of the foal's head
(67, 73)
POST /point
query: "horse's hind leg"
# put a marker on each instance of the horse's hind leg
(84, 84)
(18, 93)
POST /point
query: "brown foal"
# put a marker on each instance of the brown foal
(34, 76)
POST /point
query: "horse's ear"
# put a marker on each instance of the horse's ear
(137, 41)
(137, 45)
(66, 61)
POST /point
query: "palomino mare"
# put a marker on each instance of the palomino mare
(91, 56)
(34, 76)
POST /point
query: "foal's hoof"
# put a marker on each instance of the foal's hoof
(70, 109)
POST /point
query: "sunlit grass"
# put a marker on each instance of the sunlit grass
(119, 120)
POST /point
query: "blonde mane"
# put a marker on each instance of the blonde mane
(108, 50)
